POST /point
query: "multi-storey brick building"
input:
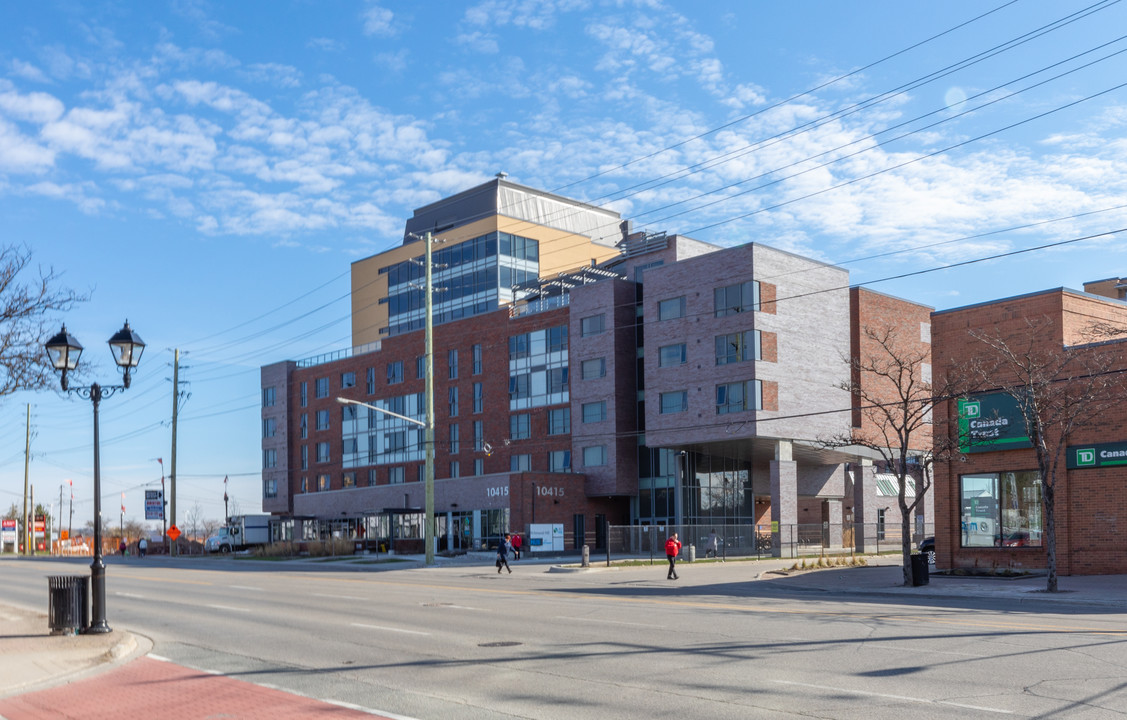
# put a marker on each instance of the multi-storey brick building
(989, 502)
(583, 375)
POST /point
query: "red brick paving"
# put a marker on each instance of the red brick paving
(148, 688)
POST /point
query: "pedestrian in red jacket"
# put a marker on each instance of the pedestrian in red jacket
(516, 546)
(672, 550)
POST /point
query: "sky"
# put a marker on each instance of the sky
(209, 171)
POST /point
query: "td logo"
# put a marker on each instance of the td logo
(972, 409)
(1085, 457)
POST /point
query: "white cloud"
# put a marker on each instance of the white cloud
(27, 71)
(393, 62)
(36, 107)
(378, 21)
(283, 76)
(21, 154)
(478, 41)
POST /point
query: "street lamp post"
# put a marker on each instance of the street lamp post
(64, 351)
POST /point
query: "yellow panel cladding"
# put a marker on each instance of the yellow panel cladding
(559, 251)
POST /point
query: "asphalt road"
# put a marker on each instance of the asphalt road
(464, 642)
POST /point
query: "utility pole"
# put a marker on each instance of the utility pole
(429, 537)
(31, 533)
(27, 533)
(172, 466)
(60, 522)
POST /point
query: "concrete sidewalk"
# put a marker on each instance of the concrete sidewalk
(32, 659)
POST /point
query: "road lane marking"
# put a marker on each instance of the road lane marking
(131, 595)
(389, 629)
(613, 622)
(245, 587)
(887, 696)
(228, 607)
(341, 597)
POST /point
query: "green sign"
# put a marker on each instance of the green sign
(988, 423)
(1081, 457)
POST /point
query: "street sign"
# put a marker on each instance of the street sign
(8, 531)
(154, 505)
(173, 532)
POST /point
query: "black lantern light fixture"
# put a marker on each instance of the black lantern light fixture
(64, 350)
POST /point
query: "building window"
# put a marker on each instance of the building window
(557, 380)
(519, 386)
(595, 456)
(323, 452)
(559, 461)
(323, 483)
(519, 427)
(738, 347)
(348, 480)
(478, 398)
(421, 473)
(270, 489)
(520, 463)
(559, 421)
(372, 477)
(304, 485)
(304, 426)
(395, 372)
(348, 380)
(454, 439)
(735, 299)
(371, 381)
(671, 355)
(1001, 509)
(452, 361)
(478, 436)
(880, 523)
(304, 394)
(739, 396)
(479, 466)
(557, 339)
(268, 397)
(452, 395)
(420, 367)
(595, 411)
(396, 475)
(476, 359)
(593, 325)
(671, 309)
(304, 457)
(322, 419)
(519, 346)
(455, 469)
(674, 402)
(592, 369)
(322, 387)
(269, 458)
(395, 441)
(268, 426)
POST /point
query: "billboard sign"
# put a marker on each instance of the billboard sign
(7, 531)
(154, 505)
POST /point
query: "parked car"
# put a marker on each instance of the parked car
(927, 547)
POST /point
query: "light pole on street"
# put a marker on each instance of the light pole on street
(64, 351)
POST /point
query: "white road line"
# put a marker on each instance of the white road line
(131, 595)
(923, 701)
(389, 629)
(245, 587)
(228, 607)
(161, 658)
(342, 597)
(613, 622)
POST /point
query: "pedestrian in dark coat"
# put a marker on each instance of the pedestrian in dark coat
(503, 549)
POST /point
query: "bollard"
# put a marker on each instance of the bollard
(692, 553)
(586, 556)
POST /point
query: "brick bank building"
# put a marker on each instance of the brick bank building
(584, 375)
(989, 504)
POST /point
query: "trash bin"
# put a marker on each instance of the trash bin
(919, 570)
(67, 609)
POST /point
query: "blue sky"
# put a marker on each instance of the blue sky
(210, 170)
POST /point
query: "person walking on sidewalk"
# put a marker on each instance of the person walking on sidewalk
(672, 550)
(517, 542)
(503, 548)
(142, 546)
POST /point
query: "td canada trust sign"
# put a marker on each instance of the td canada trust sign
(988, 423)
(1081, 457)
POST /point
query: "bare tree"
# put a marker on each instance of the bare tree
(193, 522)
(1058, 391)
(24, 322)
(894, 396)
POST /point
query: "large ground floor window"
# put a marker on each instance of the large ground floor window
(1001, 509)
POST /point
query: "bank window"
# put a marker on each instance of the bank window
(674, 402)
(559, 421)
(591, 325)
(738, 347)
(559, 461)
(322, 387)
(520, 463)
(519, 427)
(395, 372)
(595, 411)
(671, 309)
(671, 355)
(595, 368)
(735, 299)
(268, 396)
(595, 456)
(1001, 509)
(348, 379)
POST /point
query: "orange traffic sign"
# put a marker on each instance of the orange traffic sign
(173, 532)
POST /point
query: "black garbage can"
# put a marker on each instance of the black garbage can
(67, 604)
(919, 570)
